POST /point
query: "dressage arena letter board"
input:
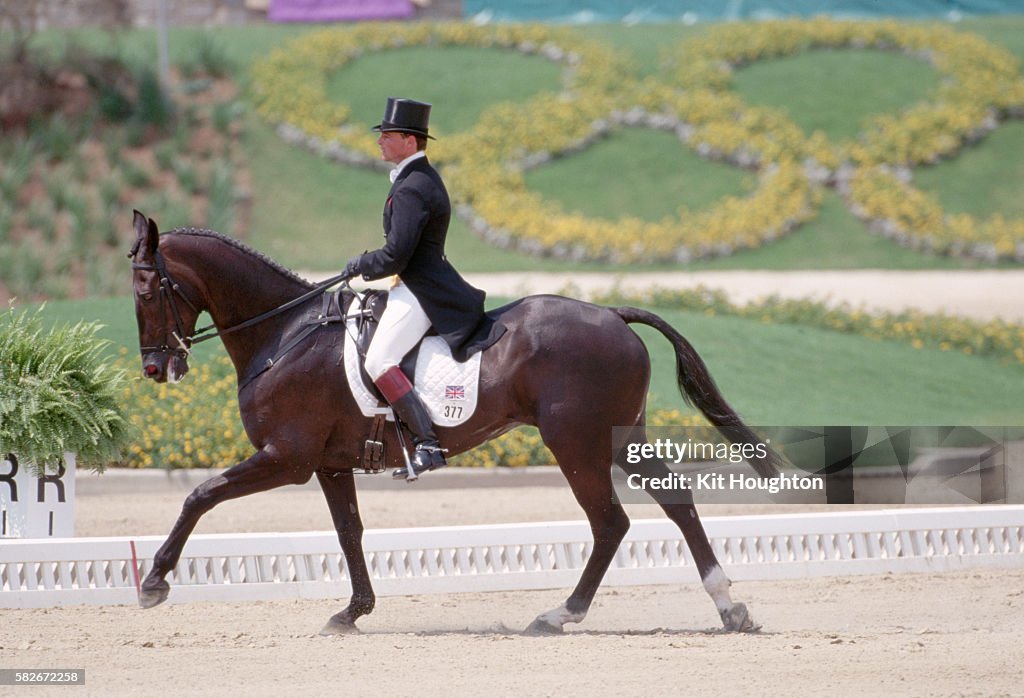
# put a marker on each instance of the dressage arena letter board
(36, 507)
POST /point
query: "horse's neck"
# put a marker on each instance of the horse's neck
(237, 286)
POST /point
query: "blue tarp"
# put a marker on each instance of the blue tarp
(583, 11)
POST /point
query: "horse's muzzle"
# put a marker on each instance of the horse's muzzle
(164, 367)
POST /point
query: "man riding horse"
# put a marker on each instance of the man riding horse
(427, 290)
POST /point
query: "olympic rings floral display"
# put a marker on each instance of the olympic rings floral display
(979, 82)
(980, 86)
(290, 85)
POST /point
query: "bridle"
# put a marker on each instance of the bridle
(170, 291)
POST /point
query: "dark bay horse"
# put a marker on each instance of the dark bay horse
(572, 369)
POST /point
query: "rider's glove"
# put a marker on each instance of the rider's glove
(352, 268)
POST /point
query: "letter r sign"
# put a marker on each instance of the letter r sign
(36, 507)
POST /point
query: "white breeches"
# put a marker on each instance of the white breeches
(401, 326)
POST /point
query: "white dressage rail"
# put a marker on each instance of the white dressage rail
(264, 566)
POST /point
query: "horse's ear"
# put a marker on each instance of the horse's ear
(147, 236)
(152, 237)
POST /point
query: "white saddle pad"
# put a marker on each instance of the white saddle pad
(448, 388)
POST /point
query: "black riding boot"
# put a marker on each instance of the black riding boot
(413, 413)
(408, 407)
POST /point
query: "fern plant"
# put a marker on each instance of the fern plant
(59, 394)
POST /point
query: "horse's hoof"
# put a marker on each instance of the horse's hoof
(737, 619)
(154, 594)
(543, 627)
(336, 627)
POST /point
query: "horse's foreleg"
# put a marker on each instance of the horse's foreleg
(263, 471)
(340, 491)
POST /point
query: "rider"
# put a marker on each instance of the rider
(428, 291)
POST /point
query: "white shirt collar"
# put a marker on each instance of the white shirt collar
(393, 174)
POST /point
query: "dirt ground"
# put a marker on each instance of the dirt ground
(913, 634)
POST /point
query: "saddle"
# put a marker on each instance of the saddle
(374, 303)
(449, 388)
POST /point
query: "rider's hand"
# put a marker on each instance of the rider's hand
(352, 268)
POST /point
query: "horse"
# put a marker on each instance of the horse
(574, 370)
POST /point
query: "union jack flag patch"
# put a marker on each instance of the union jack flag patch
(455, 392)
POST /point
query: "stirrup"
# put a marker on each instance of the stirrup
(424, 459)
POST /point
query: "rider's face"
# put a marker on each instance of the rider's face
(396, 146)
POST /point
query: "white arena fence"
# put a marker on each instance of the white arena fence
(266, 566)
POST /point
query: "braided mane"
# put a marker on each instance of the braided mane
(242, 247)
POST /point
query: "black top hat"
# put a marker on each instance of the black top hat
(406, 116)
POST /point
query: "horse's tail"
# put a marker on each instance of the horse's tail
(699, 390)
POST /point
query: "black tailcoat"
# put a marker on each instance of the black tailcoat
(416, 218)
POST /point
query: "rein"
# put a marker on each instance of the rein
(204, 333)
(169, 289)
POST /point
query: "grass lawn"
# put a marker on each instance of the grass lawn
(628, 172)
(982, 180)
(771, 374)
(836, 91)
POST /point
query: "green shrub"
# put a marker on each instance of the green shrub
(41, 214)
(58, 394)
(221, 214)
(224, 115)
(6, 216)
(57, 189)
(113, 104)
(153, 107)
(56, 136)
(21, 267)
(206, 57)
(110, 194)
(165, 154)
(188, 176)
(133, 175)
(17, 167)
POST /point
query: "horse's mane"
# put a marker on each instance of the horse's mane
(242, 247)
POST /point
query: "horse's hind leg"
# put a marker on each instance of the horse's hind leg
(678, 506)
(585, 464)
(263, 471)
(735, 616)
(340, 491)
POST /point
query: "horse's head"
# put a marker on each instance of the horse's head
(166, 316)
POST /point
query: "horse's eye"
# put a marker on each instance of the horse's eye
(147, 296)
